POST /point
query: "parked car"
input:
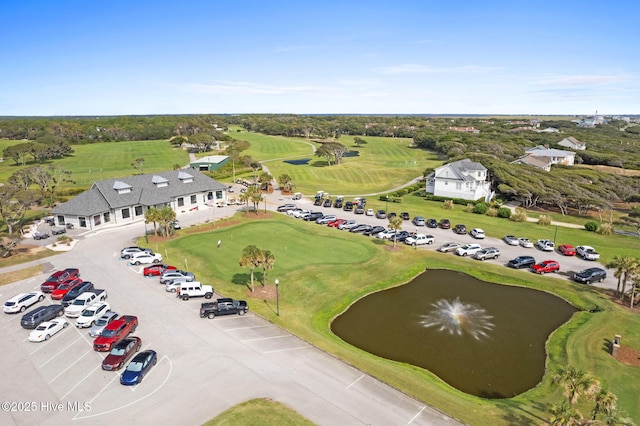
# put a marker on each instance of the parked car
(348, 206)
(432, 223)
(336, 223)
(75, 292)
(138, 368)
(567, 249)
(468, 249)
(176, 274)
(20, 302)
(419, 221)
(286, 207)
(369, 212)
(45, 330)
(521, 262)
(326, 202)
(511, 240)
(145, 258)
(35, 317)
(338, 203)
(127, 252)
(363, 227)
(381, 214)
(298, 214)
(173, 285)
(405, 215)
(587, 253)
(460, 229)
(58, 231)
(419, 239)
(546, 266)
(91, 314)
(293, 212)
(373, 231)
(403, 235)
(487, 253)
(448, 247)
(114, 332)
(324, 220)
(102, 322)
(477, 233)
(121, 352)
(65, 287)
(545, 245)
(176, 224)
(445, 224)
(313, 216)
(524, 242)
(348, 224)
(358, 210)
(224, 306)
(590, 275)
(40, 236)
(157, 269)
(57, 278)
(386, 234)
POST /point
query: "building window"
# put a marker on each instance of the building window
(96, 220)
(83, 222)
(180, 202)
(193, 199)
(219, 195)
(459, 186)
(60, 220)
(126, 213)
(107, 217)
(138, 210)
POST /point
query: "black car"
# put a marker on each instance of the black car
(404, 215)
(338, 203)
(58, 231)
(33, 318)
(317, 201)
(75, 292)
(460, 229)
(286, 207)
(445, 224)
(40, 236)
(401, 236)
(432, 223)
(348, 206)
(374, 231)
(390, 215)
(327, 203)
(311, 217)
(360, 229)
(590, 275)
(521, 262)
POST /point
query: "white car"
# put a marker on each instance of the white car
(511, 240)
(386, 235)
(369, 212)
(47, 329)
(127, 252)
(145, 258)
(545, 245)
(102, 322)
(91, 314)
(468, 249)
(348, 224)
(477, 233)
(299, 214)
(587, 253)
(524, 242)
(20, 302)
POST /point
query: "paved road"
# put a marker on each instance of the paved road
(205, 366)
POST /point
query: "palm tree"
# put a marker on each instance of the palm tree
(265, 180)
(255, 195)
(605, 403)
(267, 260)
(635, 289)
(616, 418)
(625, 266)
(632, 265)
(564, 414)
(152, 215)
(575, 383)
(166, 216)
(250, 258)
(395, 223)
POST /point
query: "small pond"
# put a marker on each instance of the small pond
(482, 338)
(298, 162)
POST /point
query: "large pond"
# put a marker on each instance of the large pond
(485, 339)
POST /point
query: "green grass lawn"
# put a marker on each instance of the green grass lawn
(259, 412)
(321, 273)
(98, 161)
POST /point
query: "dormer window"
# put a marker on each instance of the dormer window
(159, 181)
(185, 177)
(121, 187)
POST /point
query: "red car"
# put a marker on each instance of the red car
(546, 266)
(57, 278)
(65, 287)
(567, 250)
(121, 353)
(157, 269)
(336, 223)
(114, 332)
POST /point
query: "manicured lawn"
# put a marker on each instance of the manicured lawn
(98, 161)
(322, 271)
(259, 412)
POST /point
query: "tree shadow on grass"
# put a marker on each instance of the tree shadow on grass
(512, 416)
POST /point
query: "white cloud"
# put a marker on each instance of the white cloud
(579, 80)
(425, 69)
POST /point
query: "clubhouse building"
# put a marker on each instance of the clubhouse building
(124, 200)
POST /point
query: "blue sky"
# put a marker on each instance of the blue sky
(72, 57)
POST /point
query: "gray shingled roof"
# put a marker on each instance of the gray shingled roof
(460, 169)
(103, 195)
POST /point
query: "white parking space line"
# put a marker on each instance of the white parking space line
(287, 349)
(65, 370)
(247, 328)
(78, 416)
(417, 414)
(266, 338)
(80, 382)
(53, 356)
(356, 381)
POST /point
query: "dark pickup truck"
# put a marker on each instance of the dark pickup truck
(114, 332)
(224, 306)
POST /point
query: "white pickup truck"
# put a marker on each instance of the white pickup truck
(194, 289)
(419, 239)
(83, 301)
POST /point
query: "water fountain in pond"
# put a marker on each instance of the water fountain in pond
(457, 317)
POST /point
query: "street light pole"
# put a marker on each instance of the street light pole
(386, 204)
(277, 298)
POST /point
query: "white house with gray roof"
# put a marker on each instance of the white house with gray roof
(464, 179)
(125, 200)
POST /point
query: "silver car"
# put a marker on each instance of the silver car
(170, 275)
(102, 322)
